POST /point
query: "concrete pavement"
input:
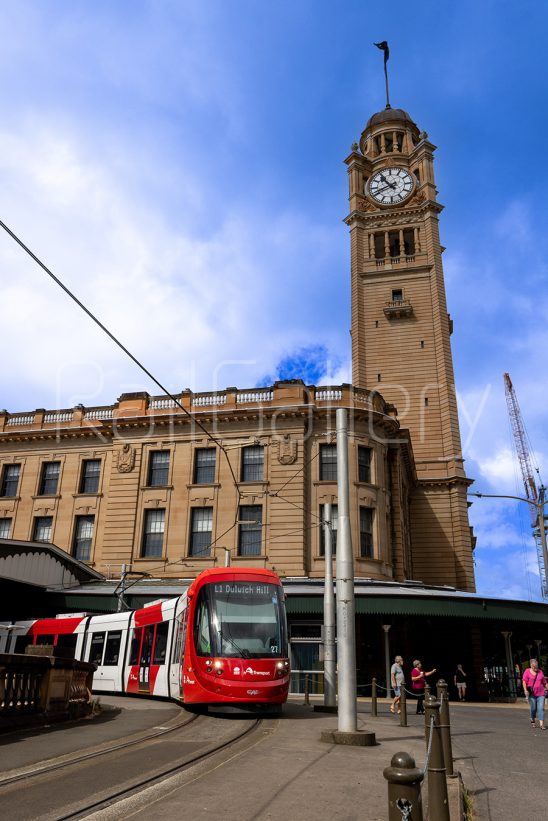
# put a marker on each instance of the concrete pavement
(288, 772)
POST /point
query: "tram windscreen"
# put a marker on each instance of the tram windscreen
(240, 620)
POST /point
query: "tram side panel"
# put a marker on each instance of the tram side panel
(151, 634)
(106, 647)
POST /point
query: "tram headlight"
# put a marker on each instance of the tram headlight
(218, 667)
(282, 668)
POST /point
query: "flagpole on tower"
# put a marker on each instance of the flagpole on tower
(384, 48)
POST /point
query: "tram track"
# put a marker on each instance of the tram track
(84, 784)
(69, 759)
(142, 784)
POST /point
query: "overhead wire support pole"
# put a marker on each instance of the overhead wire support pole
(346, 630)
(329, 647)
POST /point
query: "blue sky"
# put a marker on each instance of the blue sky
(180, 167)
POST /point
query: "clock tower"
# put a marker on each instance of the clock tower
(401, 331)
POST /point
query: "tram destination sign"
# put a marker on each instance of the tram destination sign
(250, 589)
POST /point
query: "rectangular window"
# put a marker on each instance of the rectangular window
(43, 526)
(160, 643)
(135, 646)
(251, 527)
(10, 480)
(91, 472)
(204, 466)
(201, 527)
(328, 463)
(83, 537)
(252, 463)
(153, 532)
(5, 528)
(158, 468)
(112, 649)
(334, 526)
(364, 464)
(366, 532)
(21, 643)
(66, 642)
(96, 645)
(49, 478)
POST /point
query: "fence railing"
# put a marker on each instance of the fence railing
(43, 684)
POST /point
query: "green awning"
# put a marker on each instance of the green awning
(415, 606)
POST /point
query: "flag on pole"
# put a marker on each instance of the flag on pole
(384, 47)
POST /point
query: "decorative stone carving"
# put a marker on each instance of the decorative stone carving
(363, 204)
(287, 450)
(126, 458)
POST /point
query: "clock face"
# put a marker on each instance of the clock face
(391, 186)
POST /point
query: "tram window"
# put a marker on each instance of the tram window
(45, 639)
(160, 645)
(179, 637)
(135, 646)
(21, 643)
(112, 649)
(96, 648)
(202, 637)
(67, 642)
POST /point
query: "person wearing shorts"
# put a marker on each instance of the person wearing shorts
(397, 680)
(460, 682)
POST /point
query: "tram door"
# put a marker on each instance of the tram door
(145, 658)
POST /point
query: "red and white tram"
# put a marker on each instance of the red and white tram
(223, 641)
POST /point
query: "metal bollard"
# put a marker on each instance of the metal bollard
(306, 689)
(438, 804)
(404, 788)
(403, 707)
(445, 727)
(374, 697)
(426, 689)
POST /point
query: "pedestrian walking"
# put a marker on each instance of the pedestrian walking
(397, 679)
(418, 676)
(460, 682)
(534, 688)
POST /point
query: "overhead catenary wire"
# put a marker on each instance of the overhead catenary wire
(168, 393)
(128, 353)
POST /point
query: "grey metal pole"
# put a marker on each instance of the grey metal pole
(122, 588)
(386, 628)
(346, 630)
(329, 651)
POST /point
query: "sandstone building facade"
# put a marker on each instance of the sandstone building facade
(168, 487)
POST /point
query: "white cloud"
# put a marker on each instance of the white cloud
(200, 311)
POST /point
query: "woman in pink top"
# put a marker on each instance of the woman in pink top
(418, 676)
(534, 687)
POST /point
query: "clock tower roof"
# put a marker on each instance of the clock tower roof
(389, 115)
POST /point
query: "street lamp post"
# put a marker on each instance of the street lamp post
(540, 519)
